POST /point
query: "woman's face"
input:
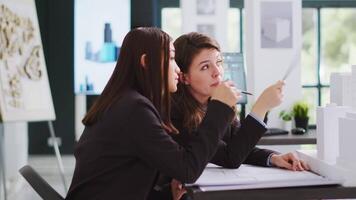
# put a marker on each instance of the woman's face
(205, 73)
(173, 70)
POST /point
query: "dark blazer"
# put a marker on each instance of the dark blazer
(235, 148)
(120, 155)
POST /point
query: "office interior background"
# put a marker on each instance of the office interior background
(327, 34)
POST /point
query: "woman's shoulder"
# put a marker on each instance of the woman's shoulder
(135, 102)
(132, 98)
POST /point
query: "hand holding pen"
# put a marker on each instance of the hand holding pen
(245, 92)
(242, 91)
(226, 93)
(270, 98)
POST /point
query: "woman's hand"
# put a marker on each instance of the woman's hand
(177, 189)
(270, 98)
(289, 161)
(226, 93)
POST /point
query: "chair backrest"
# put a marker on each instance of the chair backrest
(39, 184)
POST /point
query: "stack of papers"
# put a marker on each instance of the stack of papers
(252, 177)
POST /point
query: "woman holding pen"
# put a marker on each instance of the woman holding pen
(199, 59)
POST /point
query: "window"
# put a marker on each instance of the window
(171, 22)
(233, 24)
(337, 46)
(309, 60)
(329, 41)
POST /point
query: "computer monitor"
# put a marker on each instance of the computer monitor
(234, 70)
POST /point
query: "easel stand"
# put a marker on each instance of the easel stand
(2, 163)
(58, 155)
(3, 194)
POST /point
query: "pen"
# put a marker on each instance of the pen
(245, 92)
(242, 91)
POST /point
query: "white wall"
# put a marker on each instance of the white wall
(267, 65)
(191, 19)
(80, 111)
(89, 19)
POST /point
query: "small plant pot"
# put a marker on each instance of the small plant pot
(302, 123)
(287, 125)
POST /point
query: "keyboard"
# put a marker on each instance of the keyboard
(275, 131)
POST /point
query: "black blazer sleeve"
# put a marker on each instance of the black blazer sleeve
(155, 147)
(239, 144)
(258, 157)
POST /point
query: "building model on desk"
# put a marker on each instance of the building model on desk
(328, 131)
(336, 126)
(347, 130)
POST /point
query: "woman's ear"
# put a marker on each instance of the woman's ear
(143, 61)
(183, 78)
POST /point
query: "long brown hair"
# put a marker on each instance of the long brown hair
(151, 81)
(187, 47)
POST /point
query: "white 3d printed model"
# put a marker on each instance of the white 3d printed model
(328, 131)
(347, 139)
(276, 29)
(340, 89)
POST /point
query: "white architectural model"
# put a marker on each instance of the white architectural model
(276, 29)
(347, 139)
(343, 88)
(353, 86)
(340, 89)
(347, 159)
(328, 131)
(336, 126)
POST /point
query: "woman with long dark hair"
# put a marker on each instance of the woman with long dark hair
(126, 143)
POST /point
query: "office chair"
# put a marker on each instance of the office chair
(39, 184)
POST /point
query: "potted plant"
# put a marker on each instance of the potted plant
(286, 116)
(300, 112)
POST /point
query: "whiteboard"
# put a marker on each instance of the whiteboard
(24, 88)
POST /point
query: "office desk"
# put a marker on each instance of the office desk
(307, 138)
(314, 192)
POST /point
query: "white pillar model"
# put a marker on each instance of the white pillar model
(328, 131)
(353, 87)
(347, 130)
(340, 89)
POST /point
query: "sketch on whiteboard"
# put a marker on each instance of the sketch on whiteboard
(24, 91)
